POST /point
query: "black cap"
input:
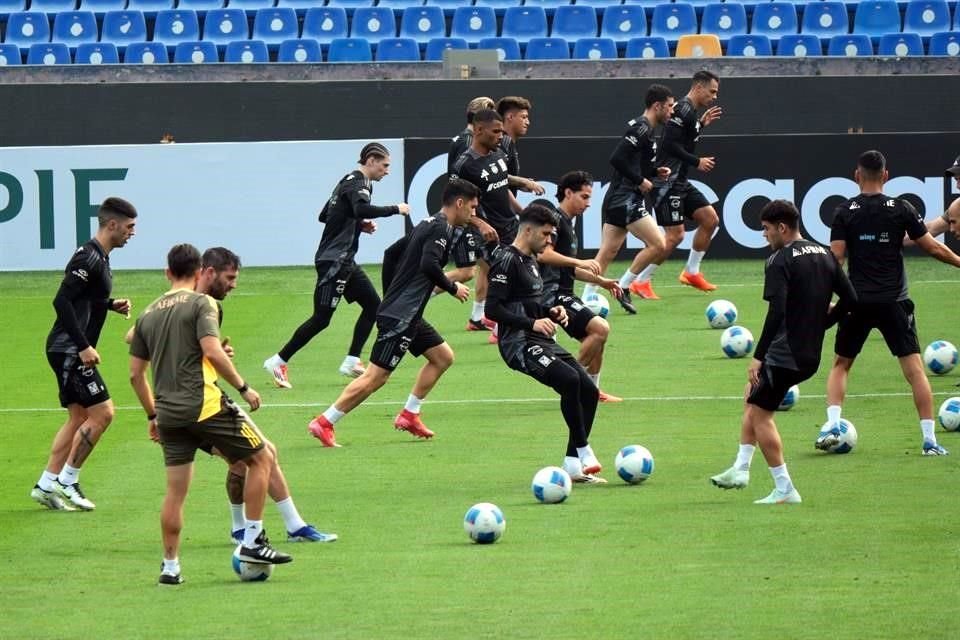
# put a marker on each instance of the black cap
(372, 149)
(954, 169)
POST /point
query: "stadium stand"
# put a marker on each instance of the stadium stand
(574, 22)
(670, 21)
(437, 46)
(856, 44)
(146, 53)
(96, 53)
(507, 48)
(350, 50)
(373, 24)
(547, 49)
(305, 50)
(75, 27)
(48, 53)
(473, 24)
(203, 52)
(724, 20)
(623, 22)
(423, 24)
(749, 46)
(524, 23)
(398, 50)
(174, 26)
(595, 49)
(275, 25)
(651, 47)
(799, 45)
(699, 45)
(123, 28)
(246, 51)
(774, 20)
(900, 45)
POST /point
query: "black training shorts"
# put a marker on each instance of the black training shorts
(774, 384)
(679, 204)
(578, 316)
(894, 320)
(626, 211)
(394, 341)
(77, 384)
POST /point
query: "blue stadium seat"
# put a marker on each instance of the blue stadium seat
(875, 18)
(749, 46)
(547, 49)
(799, 45)
(825, 19)
(53, 6)
(595, 49)
(123, 27)
(857, 44)
(926, 17)
(100, 7)
(623, 22)
(222, 26)
(75, 27)
(350, 5)
(599, 5)
(9, 55)
(437, 46)
(250, 6)
(373, 24)
(651, 47)
(304, 50)
(574, 22)
(524, 23)
(499, 6)
(174, 26)
(423, 24)
(25, 28)
(146, 53)
(448, 6)
(246, 51)
(204, 52)
(724, 20)
(350, 50)
(508, 48)
(956, 16)
(325, 24)
(200, 6)
(300, 6)
(670, 21)
(48, 53)
(150, 7)
(96, 53)
(548, 6)
(399, 5)
(944, 44)
(398, 50)
(474, 24)
(774, 20)
(11, 6)
(273, 26)
(900, 45)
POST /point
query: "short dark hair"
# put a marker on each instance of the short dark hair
(220, 258)
(457, 188)
(373, 149)
(183, 260)
(486, 116)
(777, 211)
(872, 163)
(536, 215)
(507, 104)
(573, 180)
(114, 208)
(657, 93)
(705, 77)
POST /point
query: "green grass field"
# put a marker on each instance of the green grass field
(872, 552)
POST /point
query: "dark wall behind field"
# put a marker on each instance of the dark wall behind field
(108, 113)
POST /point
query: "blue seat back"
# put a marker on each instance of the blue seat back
(145, 53)
(799, 45)
(174, 26)
(624, 22)
(926, 17)
(857, 44)
(398, 50)
(437, 46)
(48, 53)
(423, 24)
(222, 26)
(373, 24)
(9, 54)
(507, 48)
(944, 44)
(96, 53)
(574, 22)
(825, 19)
(25, 28)
(75, 27)
(749, 46)
(325, 24)
(595, 49)
(202, 52)
(246, 51)
(774, 19)
(547, 49)
(123, 27)
(473, 24)
(649, 47)
(524, 23)
(724, 20)
(301, 50)
(670, 21)
(273, 26)
(875, 18)
(350, 50)
(900, 45)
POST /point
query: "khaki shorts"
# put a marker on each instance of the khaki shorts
(227, 430)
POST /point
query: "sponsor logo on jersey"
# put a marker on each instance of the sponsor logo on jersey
(81, 273)
(503, 164)
(500, 278)
(853, 205)
(484, 175)
(535, 350)
(493, 186)
(807, 250)
(884, 236)
(890, 203)
(632, 140)
(442, 242)
(868, 237)
(545, 360)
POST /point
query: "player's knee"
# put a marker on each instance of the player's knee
(842, 363)
(599, 328)
(709, 218)
(101, 415)
(657, 243)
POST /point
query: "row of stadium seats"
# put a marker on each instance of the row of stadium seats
(408, 50)
(824, 19)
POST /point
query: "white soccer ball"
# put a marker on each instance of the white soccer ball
(598, 304)
(551, 485)
(848, 436)
(484, 523)
(633, 463)
(721, 314)
(940, 357)
(250, 571)
(736, 342)
(949, 414)
(790, 399)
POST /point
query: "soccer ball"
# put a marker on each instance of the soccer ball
(848, 436)
(721, 314)
(484, 523)
(793, 394)
(736, 342)
(950, 414)
(633, 463)
(551, 485)
(250, 571)
(598, 304)
(940, 357)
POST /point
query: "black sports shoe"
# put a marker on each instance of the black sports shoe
(167, 580)
(627, 303)
(263, 553)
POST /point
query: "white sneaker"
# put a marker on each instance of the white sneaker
(933, 449)
(732, 478)
(778, 497)
(352, 371)
(50, 499)
(278, 373)
(591, 466)
(588, 478)
(74, 495)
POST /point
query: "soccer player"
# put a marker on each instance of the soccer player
(218, 277)
(869, 230)
(81, 303)
(561, 267)
(346, 215)
(800, 278)
(675, 198)
(950, 218)
(400, 324)
(515, 111)
(527, 330)
(624, 206)
(178, 337)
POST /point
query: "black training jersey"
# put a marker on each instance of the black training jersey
(419, 270)
(632, 161)
(343, 215)
(458, 145)
(799, 281)
(559, 280)
(873, 227)
(82, 301)
(514, 300)
(509, 147)
(680, 138)
(489, 174)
